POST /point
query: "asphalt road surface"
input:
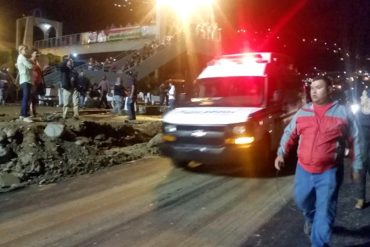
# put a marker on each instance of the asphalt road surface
(143, 203)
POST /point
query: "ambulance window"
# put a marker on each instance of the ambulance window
(245, 90)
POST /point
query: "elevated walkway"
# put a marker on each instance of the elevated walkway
(116, 46)
(161, 57)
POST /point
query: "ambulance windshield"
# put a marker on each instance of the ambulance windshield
(230, 91)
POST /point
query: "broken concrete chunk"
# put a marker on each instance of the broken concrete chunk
(54, 130)
(82, 141)
(5, 154)
(155, 141)
(10, 132)
(8, 180)
(3, 136)
(100, 137)
(3, 151)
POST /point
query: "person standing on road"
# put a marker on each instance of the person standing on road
(24, 67)
(83, 84)
(363, 118)
(118, 96)
(70, 93)
(163, 94)
(37, 82)
(131, 96)
(104, 88)
(322, 129)
(2, 89)
(171, 95)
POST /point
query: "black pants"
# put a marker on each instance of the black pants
(131, 108)
(360, 186)
(104, 100)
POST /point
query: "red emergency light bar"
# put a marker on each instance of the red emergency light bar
(244, 58)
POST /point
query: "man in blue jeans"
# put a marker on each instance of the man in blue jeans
(322, 129)
(24, 67)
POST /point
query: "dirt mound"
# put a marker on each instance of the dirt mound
(45, 152)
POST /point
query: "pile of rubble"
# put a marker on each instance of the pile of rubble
(46, 152)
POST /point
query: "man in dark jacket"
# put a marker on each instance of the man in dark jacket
(131, 96)
(83, 84)
(70, 93)
(321, 129)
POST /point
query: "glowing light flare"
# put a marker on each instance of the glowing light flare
(184, 9)
(243, 140)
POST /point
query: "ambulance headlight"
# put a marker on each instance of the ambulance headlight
(355, 108)
(170, 128)
(239, 130)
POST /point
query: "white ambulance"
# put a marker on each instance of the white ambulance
(240, 107)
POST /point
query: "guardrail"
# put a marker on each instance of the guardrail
(96, 37)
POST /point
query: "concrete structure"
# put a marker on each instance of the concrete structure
(25, 25)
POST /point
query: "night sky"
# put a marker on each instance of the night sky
(342, 22)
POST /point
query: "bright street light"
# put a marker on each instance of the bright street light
(184, 9)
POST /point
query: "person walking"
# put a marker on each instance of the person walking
(24, 66)
(363, 118)
(322, 129)
(131, 96)
(70, 93)
(104, 88)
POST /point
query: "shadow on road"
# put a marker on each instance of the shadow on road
(360, 232)
(249, 170)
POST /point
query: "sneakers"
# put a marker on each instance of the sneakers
(26, 119)
(307, 227)
(360, 204)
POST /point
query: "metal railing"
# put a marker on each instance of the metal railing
(115, 34)
(67, 40)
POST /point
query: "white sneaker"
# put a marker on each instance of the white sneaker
(27, 120)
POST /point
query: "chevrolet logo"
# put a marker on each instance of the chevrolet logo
(198, 133)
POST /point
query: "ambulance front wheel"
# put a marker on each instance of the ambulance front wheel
(179, 163)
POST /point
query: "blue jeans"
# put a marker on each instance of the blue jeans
(117, 104)
(360, 186)
(171, 103)
(26, 95)
(316, 194)
(131, 109)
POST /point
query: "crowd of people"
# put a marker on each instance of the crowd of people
(134, 59)
(207, 30)
(78, 91)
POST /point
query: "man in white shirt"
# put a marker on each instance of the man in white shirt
(25, 81)
(172, 96)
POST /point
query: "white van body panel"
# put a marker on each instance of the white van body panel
(209, 115)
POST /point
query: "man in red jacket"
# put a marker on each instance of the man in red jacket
(322, 129)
